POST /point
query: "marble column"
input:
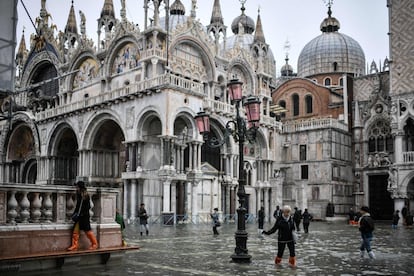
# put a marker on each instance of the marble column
(194, 199)
(166, 196)
(133, 198)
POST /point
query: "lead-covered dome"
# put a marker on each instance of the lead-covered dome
(243, 21)
(331, 52)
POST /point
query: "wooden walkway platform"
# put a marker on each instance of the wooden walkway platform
(58, 259)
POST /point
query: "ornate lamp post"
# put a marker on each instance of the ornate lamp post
(240, 132)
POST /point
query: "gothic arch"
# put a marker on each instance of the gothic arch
(187, 115)
(94, 124)
(206, 54)
(78, 62)
(244, 67)
(147, 114)
(405, 185)
(21, 118)
(55, 135)
(37, 60)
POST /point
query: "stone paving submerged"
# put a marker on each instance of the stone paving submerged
(328, 249)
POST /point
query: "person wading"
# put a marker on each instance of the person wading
(81, 218)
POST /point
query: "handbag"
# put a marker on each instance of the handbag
(75, 216)
(217, 224)
(294, 236)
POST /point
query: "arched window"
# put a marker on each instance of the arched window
(335, 66)
(380, 138)
(328, 82)
(309, 104)
(341, 81)
(295, 104)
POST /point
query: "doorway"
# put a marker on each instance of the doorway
(380, 202)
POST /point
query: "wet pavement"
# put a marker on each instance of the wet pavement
(328, 249)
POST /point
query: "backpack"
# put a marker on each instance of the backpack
(369, 223)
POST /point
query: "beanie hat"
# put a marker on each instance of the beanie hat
(81, 185)
(365, 209)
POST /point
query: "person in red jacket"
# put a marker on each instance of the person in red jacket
(286, 236)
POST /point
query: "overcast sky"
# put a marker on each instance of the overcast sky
(297, 21)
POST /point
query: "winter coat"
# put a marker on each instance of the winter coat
(297, 216)
(84, 217)
(306, 217)
(395, 219)
(277, 213)
(120, 220)
(143, 217)
(285, 228)
(261, 217)
(366, 224)
(215, 218)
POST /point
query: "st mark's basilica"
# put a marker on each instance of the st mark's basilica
(118, 113)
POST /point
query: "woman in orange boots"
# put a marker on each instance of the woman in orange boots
(286, 236)
(81, 218)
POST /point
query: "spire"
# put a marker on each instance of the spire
(216, 16)
(21, 53)
(108, 9)
(71, 24)
(259, 35)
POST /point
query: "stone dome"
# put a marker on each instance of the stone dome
(286, 70)
(244, 21)
(331, 52)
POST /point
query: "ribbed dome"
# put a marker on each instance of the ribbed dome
(331, 52)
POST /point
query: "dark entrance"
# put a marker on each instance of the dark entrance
(380, 201)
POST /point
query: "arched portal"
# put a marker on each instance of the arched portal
(20, 154)
(108, 153)
(64, 153)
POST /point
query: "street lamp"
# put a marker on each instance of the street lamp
(240, 132)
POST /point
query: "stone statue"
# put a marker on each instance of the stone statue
(391, 179)
(123, 4)
(83, 18)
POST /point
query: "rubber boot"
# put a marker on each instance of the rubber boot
(278, 260)
(371, 255)
(91, 237)
(292, 262)
(147, 232)
(75, 242)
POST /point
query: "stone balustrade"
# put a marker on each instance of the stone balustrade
(408, 157)
(36, 219)
(219, 107)
(143, 87)
(35, 204)
(311, 124)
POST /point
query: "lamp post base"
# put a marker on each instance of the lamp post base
(240, 252)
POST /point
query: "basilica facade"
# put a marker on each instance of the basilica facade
(119, 114)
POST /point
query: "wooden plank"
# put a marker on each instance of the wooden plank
(54, 254)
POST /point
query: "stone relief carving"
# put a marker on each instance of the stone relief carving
(130, 116)
(378, 160)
